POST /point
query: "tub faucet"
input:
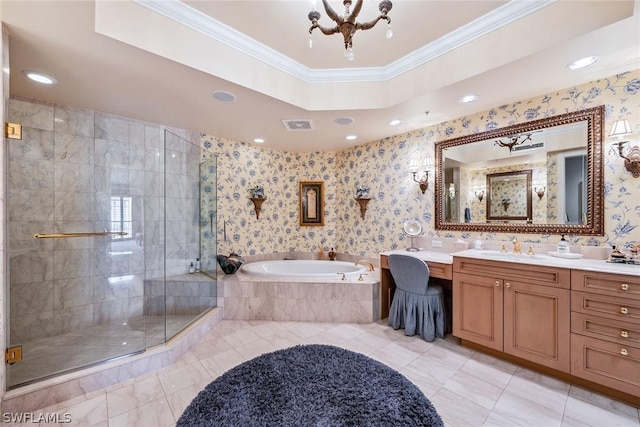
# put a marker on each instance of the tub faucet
(367, 263)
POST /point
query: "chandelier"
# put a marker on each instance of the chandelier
(347, 25)
(513, 141)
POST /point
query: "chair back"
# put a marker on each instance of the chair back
(410, 273)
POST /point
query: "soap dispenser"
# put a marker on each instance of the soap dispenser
(563, 246)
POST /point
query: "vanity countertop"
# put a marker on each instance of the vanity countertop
(441, 257)
(551, 261)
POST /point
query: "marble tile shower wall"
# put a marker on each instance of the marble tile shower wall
(62, 175)
(383, 167)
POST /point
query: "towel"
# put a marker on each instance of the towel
(467, 215)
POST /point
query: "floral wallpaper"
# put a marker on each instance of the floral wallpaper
(382, 166)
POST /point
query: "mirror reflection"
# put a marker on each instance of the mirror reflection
(509, 196)
(539, 176)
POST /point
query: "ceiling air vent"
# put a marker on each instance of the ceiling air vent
(298, 125)
(529, 146)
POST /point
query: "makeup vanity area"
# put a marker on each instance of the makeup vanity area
(575, 319)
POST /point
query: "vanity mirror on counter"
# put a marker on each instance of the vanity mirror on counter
(541, 176)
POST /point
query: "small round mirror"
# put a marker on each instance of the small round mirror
(412, 228)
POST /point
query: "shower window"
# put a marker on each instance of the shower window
(121, 216)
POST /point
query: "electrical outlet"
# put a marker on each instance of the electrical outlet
(436, 243)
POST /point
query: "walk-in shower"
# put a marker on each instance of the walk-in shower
(104, 219)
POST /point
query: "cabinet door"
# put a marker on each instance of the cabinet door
(537, 324)
(477, 310)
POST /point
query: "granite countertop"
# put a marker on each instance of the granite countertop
(551, 261)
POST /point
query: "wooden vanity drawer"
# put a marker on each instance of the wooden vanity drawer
(623, 309)
(526, 273)
(623, 333)
(610, 364)
(606, 283)
(436, 269)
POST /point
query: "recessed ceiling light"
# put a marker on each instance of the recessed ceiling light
(395, 122)
(467, 99)
(582, 62)
(258, 140)
(351, 137)
(223, 96)
(39, 77)
(344, 120)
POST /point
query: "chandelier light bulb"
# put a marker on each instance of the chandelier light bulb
(349, 54)
(389, 32)
(310, 42)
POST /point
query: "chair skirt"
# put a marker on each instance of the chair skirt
(419, 314)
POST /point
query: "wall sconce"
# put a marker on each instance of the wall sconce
(539, 191)
(424, 178)
(632, 158)
(452, 191)
(479, 194)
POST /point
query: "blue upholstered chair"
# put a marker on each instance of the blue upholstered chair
(417, 306)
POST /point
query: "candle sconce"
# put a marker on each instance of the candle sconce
(422, 178)
(539, 191)
(632, 158)
(479, 194)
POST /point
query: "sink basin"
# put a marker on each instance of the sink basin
(509, 255)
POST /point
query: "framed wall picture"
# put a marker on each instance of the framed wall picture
(311, 203)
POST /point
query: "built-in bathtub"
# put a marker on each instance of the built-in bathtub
(301, 290)
(304, 269)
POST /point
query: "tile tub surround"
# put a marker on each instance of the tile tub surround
(93, 379)
(179, 295)
(247, 297)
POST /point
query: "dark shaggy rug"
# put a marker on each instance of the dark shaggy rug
(311, 385)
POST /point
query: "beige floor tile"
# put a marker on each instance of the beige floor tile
(456, 411)
(156, 414)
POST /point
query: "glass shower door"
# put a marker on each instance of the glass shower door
(76, 230)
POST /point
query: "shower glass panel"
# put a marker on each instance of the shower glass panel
(187, 287)
(115, 204)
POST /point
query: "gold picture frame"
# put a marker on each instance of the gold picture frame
(311, 204)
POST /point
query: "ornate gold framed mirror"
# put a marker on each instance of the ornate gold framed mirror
(564, 192)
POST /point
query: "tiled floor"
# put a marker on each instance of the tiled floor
(467, 388)
(43, 357)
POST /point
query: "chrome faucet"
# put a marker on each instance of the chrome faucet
(367, 263)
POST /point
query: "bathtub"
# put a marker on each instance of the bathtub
(316, 269)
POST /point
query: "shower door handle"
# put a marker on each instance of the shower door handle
(67, 235)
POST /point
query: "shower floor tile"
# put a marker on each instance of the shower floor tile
(49, 356)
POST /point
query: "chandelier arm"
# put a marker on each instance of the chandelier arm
(356, 10)
(370, 24)
(331, 13)
(326, 31)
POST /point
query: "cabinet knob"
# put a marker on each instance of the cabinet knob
(507, 285)
(624, 287)
(624, 310)
(624, 352)
(497, 283)
(624, 334)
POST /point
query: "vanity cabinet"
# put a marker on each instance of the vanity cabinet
(520, 309)
(605, 329)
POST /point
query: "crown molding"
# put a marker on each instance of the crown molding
(222, 33)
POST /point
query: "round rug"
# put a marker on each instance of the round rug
(311, 385)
